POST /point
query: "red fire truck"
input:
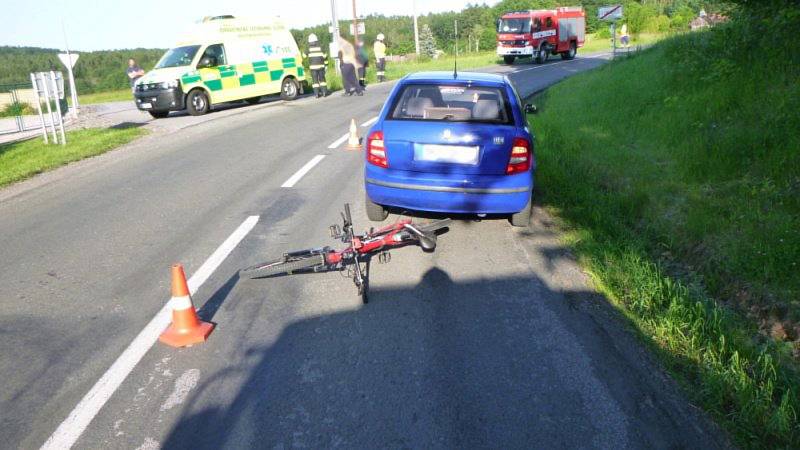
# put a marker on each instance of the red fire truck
(540, 33)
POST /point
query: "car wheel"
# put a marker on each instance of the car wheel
(508, 59)
(253, 100)
(159, 114)
(375, 212)
(197, 102)
(522, 218)
(289, 89)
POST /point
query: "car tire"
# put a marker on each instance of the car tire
(375, 212)
(197, 102)
(509, 59)
(253, 100)
(570, 54)
(159, 114)
(289, 89)
(522, 218)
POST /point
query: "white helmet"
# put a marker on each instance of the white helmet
(312, 37)
(380, 36)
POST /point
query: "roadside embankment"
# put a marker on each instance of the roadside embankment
(676, 173)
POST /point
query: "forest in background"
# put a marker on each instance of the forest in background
(101, 71)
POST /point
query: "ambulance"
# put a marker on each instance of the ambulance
(223, 59)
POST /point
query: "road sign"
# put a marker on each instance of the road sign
(613, 12)
(68, 60)
(362, 30)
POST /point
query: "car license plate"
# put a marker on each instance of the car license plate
(456, 154)
(145, 105)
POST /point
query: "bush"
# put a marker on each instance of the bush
(17, 109)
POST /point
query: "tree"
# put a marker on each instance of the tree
(427, 43)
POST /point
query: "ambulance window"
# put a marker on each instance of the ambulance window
(549, 22)
(215, 52)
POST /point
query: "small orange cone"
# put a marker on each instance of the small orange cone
(186, 328)
(353, 141)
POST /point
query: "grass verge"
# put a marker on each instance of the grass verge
(21, 160)
(104, 97)
(680, 192)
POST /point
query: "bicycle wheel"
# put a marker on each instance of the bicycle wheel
(280, 266)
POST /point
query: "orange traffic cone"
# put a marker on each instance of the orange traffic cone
(353, 141)
(186, 328)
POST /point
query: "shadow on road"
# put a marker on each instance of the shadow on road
(501, 363)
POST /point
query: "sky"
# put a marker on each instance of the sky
(114, 24)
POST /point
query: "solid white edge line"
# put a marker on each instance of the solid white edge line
(303, 170)
(339, 141)
(85, 411)
(370, 122)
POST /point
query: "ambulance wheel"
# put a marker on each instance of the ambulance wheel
(159, 114)
(375, 212)
(197, 102)
(289, 89)
(253, 100)
(508, 59)
(570, 54)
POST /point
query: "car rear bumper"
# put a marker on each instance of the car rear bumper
(449, 193)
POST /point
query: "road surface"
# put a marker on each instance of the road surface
(494, 340)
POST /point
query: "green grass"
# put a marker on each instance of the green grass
(104, 97)
(593, 43)
(676, 173)
(21, 160)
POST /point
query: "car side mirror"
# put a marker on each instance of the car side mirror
(531, 109)
(207, 61)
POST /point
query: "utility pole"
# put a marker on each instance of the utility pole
(416, 28)
(335, 33)
(355, 24)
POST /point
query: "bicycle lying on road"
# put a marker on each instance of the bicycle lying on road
(357, 255)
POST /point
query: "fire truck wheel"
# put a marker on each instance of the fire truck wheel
(541, 57)
(508, 59)
(570, 54)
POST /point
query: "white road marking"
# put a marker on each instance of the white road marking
(303, 170)
(370, 122)
(85, 411)
(339, 141)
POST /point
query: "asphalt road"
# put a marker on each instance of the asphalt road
(494, 340)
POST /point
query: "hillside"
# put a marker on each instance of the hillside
(677, 173)
(95, 71)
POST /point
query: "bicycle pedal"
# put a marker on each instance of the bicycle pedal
(384, 257)
(336, 231)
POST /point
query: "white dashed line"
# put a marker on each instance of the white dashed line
(85, 411)
(339, 141)
(370, 122)
(303, 170)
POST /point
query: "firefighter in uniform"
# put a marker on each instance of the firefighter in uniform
(317, 62)
(380, 57)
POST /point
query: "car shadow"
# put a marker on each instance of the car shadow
(500, 363)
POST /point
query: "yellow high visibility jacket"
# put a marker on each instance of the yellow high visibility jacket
(380, 50)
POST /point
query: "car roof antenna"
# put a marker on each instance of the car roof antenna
(455, 60)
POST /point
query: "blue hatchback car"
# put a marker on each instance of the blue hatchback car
(452, 144)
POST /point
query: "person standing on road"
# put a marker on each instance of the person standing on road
(380, 58)
(350, 64)
(363, 61)
(134, 72)
(317, 62)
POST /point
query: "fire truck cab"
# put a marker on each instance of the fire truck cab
(540, 33)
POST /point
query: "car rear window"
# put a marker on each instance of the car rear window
(452, 104)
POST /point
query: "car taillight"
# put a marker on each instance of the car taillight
(376, 153)
(521, 156)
